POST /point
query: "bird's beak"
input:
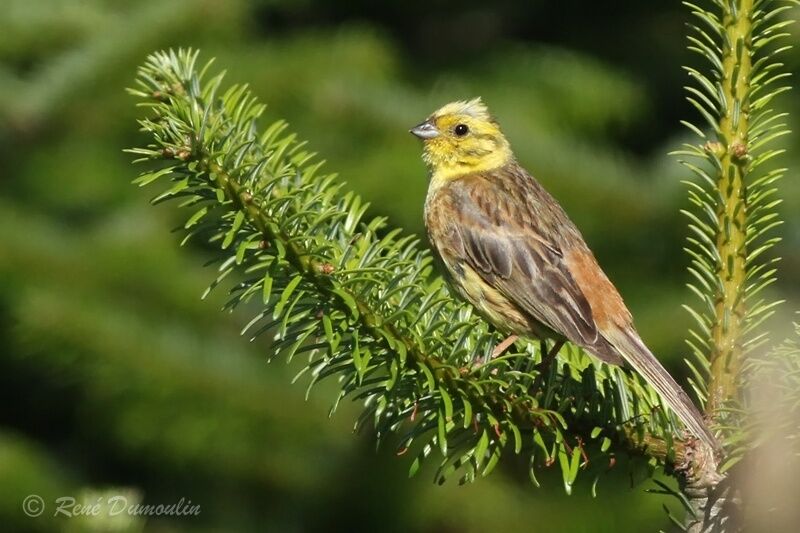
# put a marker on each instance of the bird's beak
(424, 131)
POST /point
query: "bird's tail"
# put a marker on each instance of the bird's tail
(628, 344)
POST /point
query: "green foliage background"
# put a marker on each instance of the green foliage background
(113, 375)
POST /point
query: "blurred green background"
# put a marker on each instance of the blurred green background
(115, 377)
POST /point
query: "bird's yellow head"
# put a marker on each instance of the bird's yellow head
(462, 138)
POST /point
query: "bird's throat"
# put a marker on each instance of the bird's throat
(443, 171)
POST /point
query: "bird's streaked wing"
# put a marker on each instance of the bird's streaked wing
(509, 253)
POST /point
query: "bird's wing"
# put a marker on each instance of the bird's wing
(502, 242)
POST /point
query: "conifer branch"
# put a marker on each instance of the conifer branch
(734, 216)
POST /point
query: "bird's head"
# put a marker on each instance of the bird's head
(462, 138)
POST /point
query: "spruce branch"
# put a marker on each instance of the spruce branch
(360, 302)
(733, 217)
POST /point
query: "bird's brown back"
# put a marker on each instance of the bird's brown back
(510, 230)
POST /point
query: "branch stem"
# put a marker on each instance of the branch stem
(727, 330)
(708, 496)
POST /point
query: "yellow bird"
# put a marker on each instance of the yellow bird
(512, 252)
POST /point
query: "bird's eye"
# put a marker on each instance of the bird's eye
(461, 130)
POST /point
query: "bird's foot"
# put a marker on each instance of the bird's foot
(498, 350)
(549, 356)
(503, 346)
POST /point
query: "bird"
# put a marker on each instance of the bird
(510, 250)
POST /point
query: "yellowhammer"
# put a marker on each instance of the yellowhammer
(512, 252)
